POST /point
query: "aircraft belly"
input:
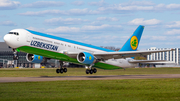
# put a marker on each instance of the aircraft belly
(63, 57)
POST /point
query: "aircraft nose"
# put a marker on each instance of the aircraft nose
(7, 38)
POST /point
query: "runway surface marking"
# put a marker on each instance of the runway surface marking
(89, 77)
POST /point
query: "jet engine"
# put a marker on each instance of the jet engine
(85, 58)
(34, 58)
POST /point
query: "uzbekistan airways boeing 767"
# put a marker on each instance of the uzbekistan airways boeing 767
(40, 46)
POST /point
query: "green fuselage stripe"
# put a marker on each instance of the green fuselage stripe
(62, 57)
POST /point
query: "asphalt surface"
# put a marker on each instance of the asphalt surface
(60, 78)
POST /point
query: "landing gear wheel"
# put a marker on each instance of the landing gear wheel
(65, 70)
(91, 71)
(57, 70)
(94, 70)
(61, 71)
(87, 71)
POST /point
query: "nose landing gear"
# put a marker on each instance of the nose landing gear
(15, 57)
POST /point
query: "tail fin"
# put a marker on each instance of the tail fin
(133, 42)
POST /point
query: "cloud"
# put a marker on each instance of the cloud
(155, 37)
(175, 24)
(139, 6)
(85, 28)
(85, 11)
(67, 21)
(173, 32)
(141, 21)
(103, 27)
(108, 18)
(8, 23)
(43, 4)
(173, 6)
(100, 3)
(64, 29)
(96, 23)
(104, 8)
(78, 3)
(140, 3)
(9, 5)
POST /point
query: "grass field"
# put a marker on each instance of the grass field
(97, 90)
(81, 72)
(92, 90)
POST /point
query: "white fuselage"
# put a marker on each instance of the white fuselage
(41, 41)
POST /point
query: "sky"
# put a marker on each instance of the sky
(96, 22)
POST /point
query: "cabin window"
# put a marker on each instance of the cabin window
(57, 43)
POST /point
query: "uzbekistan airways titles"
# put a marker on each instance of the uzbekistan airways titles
(44, 45)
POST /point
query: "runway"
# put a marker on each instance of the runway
(60, 78)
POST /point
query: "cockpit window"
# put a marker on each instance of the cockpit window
(11, 33)
(15, 33)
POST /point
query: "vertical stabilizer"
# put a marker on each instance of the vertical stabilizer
(133, 42)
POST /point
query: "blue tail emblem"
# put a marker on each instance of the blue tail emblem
(133, 42)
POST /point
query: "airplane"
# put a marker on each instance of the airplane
(40, 46)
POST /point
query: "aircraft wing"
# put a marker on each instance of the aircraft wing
(150, 61)
(125, 54)
(117, 55)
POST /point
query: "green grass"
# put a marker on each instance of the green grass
(93, 90)
(81, 71)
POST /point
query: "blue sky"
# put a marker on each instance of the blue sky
(100, 23)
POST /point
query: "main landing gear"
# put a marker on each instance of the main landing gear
(61, 70)
(90, 70)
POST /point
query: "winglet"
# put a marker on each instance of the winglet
(133, 42)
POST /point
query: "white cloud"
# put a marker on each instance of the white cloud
(85, 28)
(96, 23)
(61, 21)
(142, 3)
(8, 4)
(108, 18)
(103, 9)
(61, 12)
(139, 6)
(173, 6)
(7, 23)
(141, 21)
(44, 4)
(36, 29)
(173, 32)
(175, 24)
(78, 3)
(147, 37)
(63, 29)
(122, 8)
(100, 3)
(101, 27)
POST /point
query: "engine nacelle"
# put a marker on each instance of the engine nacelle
(34, 58)
(85, 58)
